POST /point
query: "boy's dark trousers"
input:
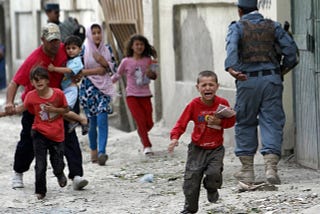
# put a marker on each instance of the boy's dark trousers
(41, 147)
(24, 151)
(201, 162)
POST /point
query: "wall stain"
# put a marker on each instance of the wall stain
(265, 4)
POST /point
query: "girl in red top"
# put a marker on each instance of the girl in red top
(206, 151)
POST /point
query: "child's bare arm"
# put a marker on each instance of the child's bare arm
(60, 110)
(101, 60)
(61, 70)
(19, 109)
(92, 71)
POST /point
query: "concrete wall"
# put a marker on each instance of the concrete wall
(151, 31)
(193, 39)
(5, 37)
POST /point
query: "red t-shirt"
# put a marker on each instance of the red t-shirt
(48, 124)
(202, 135)
(39, 58)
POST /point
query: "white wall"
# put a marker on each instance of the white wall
(214, 16)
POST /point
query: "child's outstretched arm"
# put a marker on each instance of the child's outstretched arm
(174, 143)
(61, 70)
(49, 107)
(17, 110)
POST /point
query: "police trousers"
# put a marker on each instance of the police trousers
(259, 104)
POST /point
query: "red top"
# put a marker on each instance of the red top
(39, 58)
(48, 124)
(202, 135)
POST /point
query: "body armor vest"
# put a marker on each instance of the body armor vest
(257, 43)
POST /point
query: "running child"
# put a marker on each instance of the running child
(206, 150)
(74, 66)
(48, 105)
(136, 66)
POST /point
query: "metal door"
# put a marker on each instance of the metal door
(305, 15)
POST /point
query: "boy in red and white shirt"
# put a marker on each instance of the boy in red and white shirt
(206, 150)
(48, 105)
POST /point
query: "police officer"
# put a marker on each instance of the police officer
(253, 62)
(70, 26)
(53, 12)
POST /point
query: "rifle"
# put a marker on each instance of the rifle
(284, 70)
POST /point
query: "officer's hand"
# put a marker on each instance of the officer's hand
(237, 75)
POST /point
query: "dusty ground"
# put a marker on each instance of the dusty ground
(116, 187)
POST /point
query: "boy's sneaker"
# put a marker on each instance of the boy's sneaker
(17, 181)
(147, 151)
(102, 158)
(40, 196)
(62, 180)
(79, 183)
(213, 196)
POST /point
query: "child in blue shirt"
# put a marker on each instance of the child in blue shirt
(74, 66)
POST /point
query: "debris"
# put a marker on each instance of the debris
(147, 178)
(259, 186)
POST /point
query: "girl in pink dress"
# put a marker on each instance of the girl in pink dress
(136, 66)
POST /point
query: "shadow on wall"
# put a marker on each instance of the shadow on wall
(192, 43)
(265, 4)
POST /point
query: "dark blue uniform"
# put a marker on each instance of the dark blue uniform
(259, 98)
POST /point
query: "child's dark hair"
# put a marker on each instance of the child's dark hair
(39, 73)
(73, 40)
(148, 50)
(207, 73)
